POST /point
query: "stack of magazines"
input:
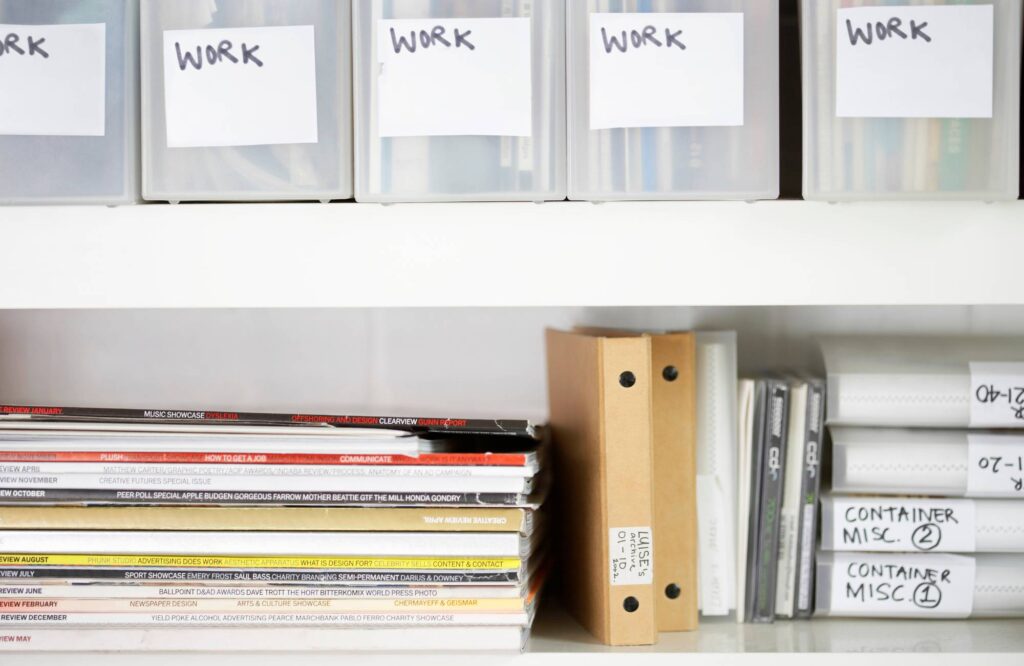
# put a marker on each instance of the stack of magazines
(192, 530)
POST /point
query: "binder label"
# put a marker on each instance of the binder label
(666, 70)
(631, 555)
(901, 525)
(915, 61)
(53, 80)
(902, 585)
(714, 544)
(997, 395)
(454, 77)
(995, 466)
(240, 86)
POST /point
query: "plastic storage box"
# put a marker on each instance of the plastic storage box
(909, 118)
(472, 112)
(689, 110)
(925, 461)
(919, 585)
(920, 381)
(246, 100)
(68, 101)
(916, 524)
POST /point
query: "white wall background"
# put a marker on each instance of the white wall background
(444, 362)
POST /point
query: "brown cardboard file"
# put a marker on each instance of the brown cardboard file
(674, 423)
(600, 399)
(674, 394)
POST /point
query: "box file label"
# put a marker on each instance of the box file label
(995, 466)
(666, 70)
(240, 86)
(997, 395)
(902, 525)
(902, 585)
(454, 77)
(53, 80)
(915, 62)
(631, 555)
(713, 535)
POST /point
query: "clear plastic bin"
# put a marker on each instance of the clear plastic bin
(298, 143)
(78, 142)
(438, 160)
(880, 156)
(730, 154)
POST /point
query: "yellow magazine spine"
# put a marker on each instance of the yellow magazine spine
(263, 519)
(226, 562)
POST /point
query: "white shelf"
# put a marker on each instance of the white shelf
(559, 641)
(579, 254)
(557, 633)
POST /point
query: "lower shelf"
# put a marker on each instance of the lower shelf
(559, 640)
(557, 633)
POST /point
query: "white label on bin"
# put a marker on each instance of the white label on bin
(902, 585)
(454, 77)
(666, 70)
(902, 525)
(997, 395)
(995, 466)
(53, 80)
(915, 62)
(240, 86)
(630, 556)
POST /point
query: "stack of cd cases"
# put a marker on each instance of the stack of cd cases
(217, 531)
(780, 428)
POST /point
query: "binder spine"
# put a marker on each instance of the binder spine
(673, 361)
(627, 449)
(600, 396)
(716, 445)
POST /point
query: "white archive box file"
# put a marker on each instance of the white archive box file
(459, 101)
(69, 102)
(946, 525)
(673, 99)
(903, 461)
(246, 100)
(931, 382)
(919, 585)
(911, 100)
(716, 471)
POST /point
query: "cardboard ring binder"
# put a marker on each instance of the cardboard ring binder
(603, 445)
(633, 454)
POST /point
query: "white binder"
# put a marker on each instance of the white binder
(716, 471)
